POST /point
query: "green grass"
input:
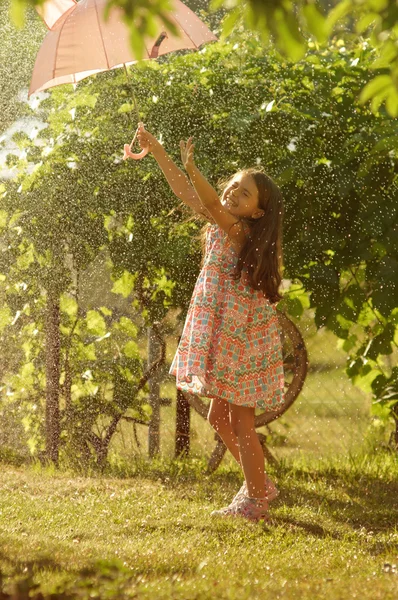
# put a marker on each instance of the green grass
(145, 531)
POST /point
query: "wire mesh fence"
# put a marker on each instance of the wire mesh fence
(329, 416)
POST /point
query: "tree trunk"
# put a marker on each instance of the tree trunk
(52, 377)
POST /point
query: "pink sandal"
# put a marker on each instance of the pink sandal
(271, 491)
(253, 509)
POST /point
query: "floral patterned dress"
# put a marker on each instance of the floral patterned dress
(230, 346)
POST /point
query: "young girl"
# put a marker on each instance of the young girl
(230, 348)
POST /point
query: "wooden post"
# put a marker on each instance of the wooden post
(183, 423)
(154, 399)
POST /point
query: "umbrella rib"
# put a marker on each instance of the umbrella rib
(56, 51)
(182, 27)
(102, 39)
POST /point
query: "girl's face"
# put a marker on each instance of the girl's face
(240, 197)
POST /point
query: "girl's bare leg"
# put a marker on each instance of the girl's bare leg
(219, 419)
(250, 450)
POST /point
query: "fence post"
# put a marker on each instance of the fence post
(183, 423)
(154, 397)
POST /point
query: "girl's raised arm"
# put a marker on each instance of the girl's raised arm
(210, 200)
(177, 180)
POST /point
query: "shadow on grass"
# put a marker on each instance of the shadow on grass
(101, 579)
(373, 548)
(369, 497)
(21, 566)
(309, 528)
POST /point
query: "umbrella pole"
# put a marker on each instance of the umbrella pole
(132, 93)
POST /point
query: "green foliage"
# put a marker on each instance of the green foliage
(291, 24)
(288, 24)
(102, 367)
(17, 56)
(302, 122)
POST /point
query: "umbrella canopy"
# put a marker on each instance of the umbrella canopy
(81, 43)
(51, 10)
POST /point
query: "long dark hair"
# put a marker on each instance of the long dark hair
(261, 258)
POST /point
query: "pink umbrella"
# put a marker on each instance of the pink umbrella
(81, 42)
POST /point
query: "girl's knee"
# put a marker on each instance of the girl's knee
(243, 430)
(242, 421)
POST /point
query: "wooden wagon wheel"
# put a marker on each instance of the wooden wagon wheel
(295, 365)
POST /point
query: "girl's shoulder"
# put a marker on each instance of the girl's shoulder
(214, 227)
(246, 230)
(216, 235)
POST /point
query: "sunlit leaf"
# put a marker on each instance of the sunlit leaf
(95, 323)
(374, 87)
(68, 305)
(318, 25)
(124, 286)
(131, 350)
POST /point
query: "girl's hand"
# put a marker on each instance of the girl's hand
(146, 139)
(187, 154)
